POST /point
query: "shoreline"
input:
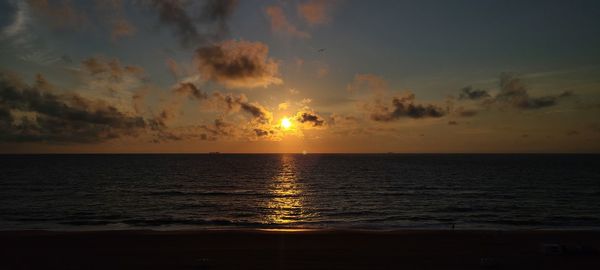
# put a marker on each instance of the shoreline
(300, 249)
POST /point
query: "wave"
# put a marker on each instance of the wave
(203, 193)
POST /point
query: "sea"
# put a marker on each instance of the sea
(296, 191)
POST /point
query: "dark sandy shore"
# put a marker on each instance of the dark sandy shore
(251, 249)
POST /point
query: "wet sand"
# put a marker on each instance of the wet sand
(253, 249)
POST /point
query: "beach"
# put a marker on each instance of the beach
(300, 249)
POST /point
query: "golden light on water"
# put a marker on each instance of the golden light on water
(287, 202)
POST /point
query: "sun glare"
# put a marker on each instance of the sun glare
(286, 123)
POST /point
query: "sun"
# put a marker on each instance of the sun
(286, 123)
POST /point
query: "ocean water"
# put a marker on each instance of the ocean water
(385, 191)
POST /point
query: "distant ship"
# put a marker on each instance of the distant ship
(214, 153)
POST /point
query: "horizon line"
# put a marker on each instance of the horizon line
(301, 153)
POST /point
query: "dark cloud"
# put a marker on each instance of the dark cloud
(189, 89)
(260, 132)
(401, 107)
(36, 114)
(233, 103)
(207, 23)
(257, 111)
(473, 94)
(238, 64)
(405, 107)
(310, 117)
(513, 92)
(219, 129)
(260, 117)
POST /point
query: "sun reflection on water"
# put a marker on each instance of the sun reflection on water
(286, 204)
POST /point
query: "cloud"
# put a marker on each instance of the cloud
(211, 14)
(338, 119)
(62, 14)
(110, 68)
(309, 117)
(405, 107)
(218, 130)
(373, 83)
(462, 112)
(20, 20)
(258, 125)
(171, 109)
(137, 100)
(40, 56)
(238, 64)
(513, 92)
(122, 28)
(316, 12)
(189, 89)
(401, 107)
(280, 23)
(322, 71)
(37, 114)
(235, 103)
(261, 133)
(473, 94)
(304, 102)
(113, 13)
(118, 84)
(283, 106)
(174, 68)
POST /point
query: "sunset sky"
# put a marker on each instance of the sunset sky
(291, 76)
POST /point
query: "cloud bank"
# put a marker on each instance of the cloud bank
(30, 113)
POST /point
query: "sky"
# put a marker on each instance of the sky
(314, 76)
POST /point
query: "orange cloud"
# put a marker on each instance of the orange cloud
(280, 23)
(174, 68)
(315, 12)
